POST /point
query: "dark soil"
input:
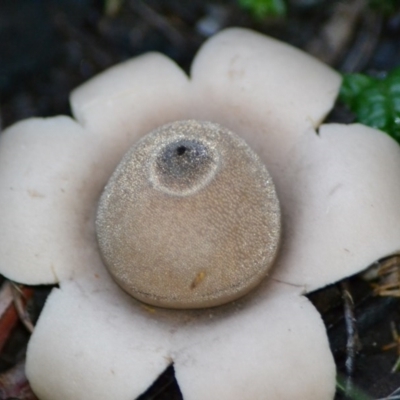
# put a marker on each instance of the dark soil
(48, 47)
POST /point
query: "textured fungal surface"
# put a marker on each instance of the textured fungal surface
(190, 217)
(180, 210)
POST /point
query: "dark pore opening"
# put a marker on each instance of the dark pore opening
(184, 163)
(181, 150)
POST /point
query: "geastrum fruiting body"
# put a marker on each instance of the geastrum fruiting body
(179, 219)
(190, 218)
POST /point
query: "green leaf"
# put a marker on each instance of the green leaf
(375, 102)
(264, 8)
(352, 86)
(388, 7)
(353, 393)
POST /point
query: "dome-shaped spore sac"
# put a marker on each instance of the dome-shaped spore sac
(190, 218)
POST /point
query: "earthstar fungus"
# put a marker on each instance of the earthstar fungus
(338, 193)
(190, 217)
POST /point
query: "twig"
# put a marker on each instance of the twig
(20, 298)
(157, 21)
(8, 315)
(394, 345)
(365, 43)
(330, 44)
(353, 343)
(12, 308)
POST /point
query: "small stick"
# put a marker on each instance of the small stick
(20, 297)
(353, 343)
(8, 314)
(157, 21)
(394, 345)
